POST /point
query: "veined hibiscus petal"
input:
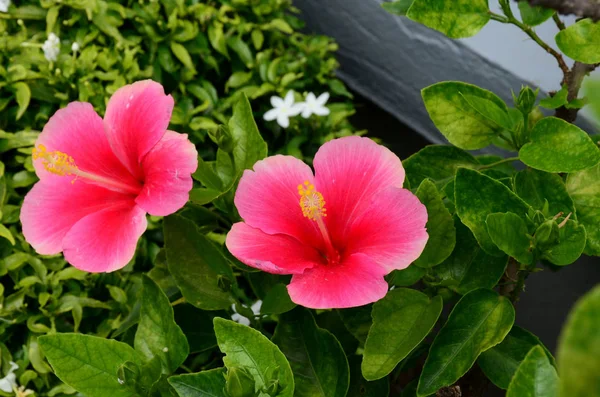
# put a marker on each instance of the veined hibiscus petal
(168, 169)
(105, 241)
(267, 198)
(357, 281)
(349, 172)
(136, 118)
(78, 131)
(54, 205)
(273, 253)
(391, 231)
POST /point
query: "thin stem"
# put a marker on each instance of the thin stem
(559, 23)
(497, 163)
(498, 17)
(178, 301)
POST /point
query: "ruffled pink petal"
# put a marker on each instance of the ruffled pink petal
(391, 231)
(168, 169)
(356, 281)
(105, 241)
(267, 198)
(78, 131)
(272, 253)
(54, 205)
(136, 118)
(349, 172)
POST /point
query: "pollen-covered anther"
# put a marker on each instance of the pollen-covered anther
(311, 201)
(55, 162)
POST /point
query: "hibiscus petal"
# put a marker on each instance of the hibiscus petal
(53, 206)
(272, 253)
(78, 131)
(136, 118)
(168, 169)
(105, 241)
(356, 281)
(349, 172)
(267, 198)
(391, 231)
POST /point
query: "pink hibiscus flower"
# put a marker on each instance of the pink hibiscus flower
(99, 178)
(337, 232)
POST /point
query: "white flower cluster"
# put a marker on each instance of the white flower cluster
(8, 384)
(51, 47)
(284, 108)
(245, 320)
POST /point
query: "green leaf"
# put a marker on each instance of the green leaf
(23, 94)
(579, 348)
(480, 320)
(534, 15)
(248, 145)
(535, 376)
(401, 321)
(238, 79)
(454, 18)
(538, 187)
(498, 115)
(157, 333)
(438, 163)
(202, 384)
(247, 348)
(476, 196)
(88, 363)
(399, 7)
(460, 123)
(571, 243)
(406, 277)
(584, 189)
(360, 387)
(217, 38)
(559, 146)
(183, 55)
(580, 41)
(197, 266)
(277, 300)
(440, 227)
(358, 321)
(258, 39)
(197, 325)
(509, 232)
(500, 362)
(559, 99)
(241, 49)
(4, 232)
(316, 357)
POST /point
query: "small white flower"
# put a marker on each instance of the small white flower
(10, 380)
(314, 105)
(238, 318)
(75, 46)
(4, 4)
(283, 109)
(51, 47)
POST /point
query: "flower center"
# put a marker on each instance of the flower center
(62, 164)
(313, 208)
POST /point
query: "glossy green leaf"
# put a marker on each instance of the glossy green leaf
(452, 114)
(538, 187)
(509, 232)
(440, 227)
(242, 49)
(4, 232)
(247, 348)
(534, 15)
(88, 363)
(501, 361)
(202, 384)
(480, 320)
(580, 41)
(578, 354)
(332, 322)
(535, 376)
(157, 334)
(571, 244)
(406, 277)
(559, 146)
(401, 321)
(559, 99)
(183, 55)
(584, 189)
(248, 144)
(23, 95)
(399, 7)
(469, 267)
(360, 387)
(476, 196)
(217, 38)
(358, 321)
(317, 359)
(438, 163)
(197, 325)
(277, 300)
(198, 267)
(455, 18)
